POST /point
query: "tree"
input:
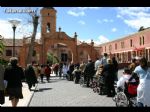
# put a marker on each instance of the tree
(2, 47)
(141, 28)
(35, 19)
(51, 58)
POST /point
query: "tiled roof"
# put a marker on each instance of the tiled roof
(9, 42)
(18, 42)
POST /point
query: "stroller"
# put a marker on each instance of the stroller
(126, 97)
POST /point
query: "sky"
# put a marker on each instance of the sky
(102, 24)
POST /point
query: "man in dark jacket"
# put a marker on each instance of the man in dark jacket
(89, 72)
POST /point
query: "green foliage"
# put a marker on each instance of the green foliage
(4, 62)
(2, 47)
(51, 58)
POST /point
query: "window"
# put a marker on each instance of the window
(140, 41)
(116, 46)
(143, 40)
(110, 48)
(48, 27)
(122, 44)
(48, 14)
(131, 43)
(8, 52)
(34, 53)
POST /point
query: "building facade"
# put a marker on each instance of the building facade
(124, 49)
(58, 43)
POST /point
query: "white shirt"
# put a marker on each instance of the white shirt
(97, 63)
(122, 80)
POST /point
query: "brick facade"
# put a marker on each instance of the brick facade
(126, 48)
(57, 42)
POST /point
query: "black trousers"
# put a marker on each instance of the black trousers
(2, 97)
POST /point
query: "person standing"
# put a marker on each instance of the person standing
(47, 72)
(97, 63)
(109, 74)
(14, 75)
(115, 63)
(2, 87)
(143, 91)
(56, 67)
(71, 69)
(42, 70)
(104, 59)
(60, 69)
(30, 76)
(89, 72)
(65, 70)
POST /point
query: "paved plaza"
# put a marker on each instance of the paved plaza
(62, 93)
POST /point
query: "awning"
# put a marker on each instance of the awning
(125, 51)
(139, 49)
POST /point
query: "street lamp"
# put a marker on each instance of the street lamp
(14, 24)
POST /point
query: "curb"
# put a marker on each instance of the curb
(31, 96)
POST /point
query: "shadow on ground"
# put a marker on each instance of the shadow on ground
(42, 89)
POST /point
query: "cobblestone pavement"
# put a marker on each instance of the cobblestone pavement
(60, 93)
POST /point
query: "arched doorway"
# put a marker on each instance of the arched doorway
(61, 51)
(84, 56)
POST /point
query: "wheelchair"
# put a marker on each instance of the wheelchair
(95, 84)
(124, 98)
(82, 81)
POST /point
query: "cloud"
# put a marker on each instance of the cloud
(99, 21)
(105, 20)
(85, 8)
(135, 17)
(22, 29)
(80, 11)
(114, 29)
(73, 13)
(102, 39)
(81, 22)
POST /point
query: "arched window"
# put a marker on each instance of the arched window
(110, 48)
(48, 27)
(116, 46)
(131, 43)
(140, 41)
(143, 40)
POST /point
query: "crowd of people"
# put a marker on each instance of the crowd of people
(106, 68)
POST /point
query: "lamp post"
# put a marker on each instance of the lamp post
(14, 24)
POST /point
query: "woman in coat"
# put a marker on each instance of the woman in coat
(109, 74)
(30, 76)
(14, 75)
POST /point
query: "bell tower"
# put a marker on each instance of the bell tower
(48, 20)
